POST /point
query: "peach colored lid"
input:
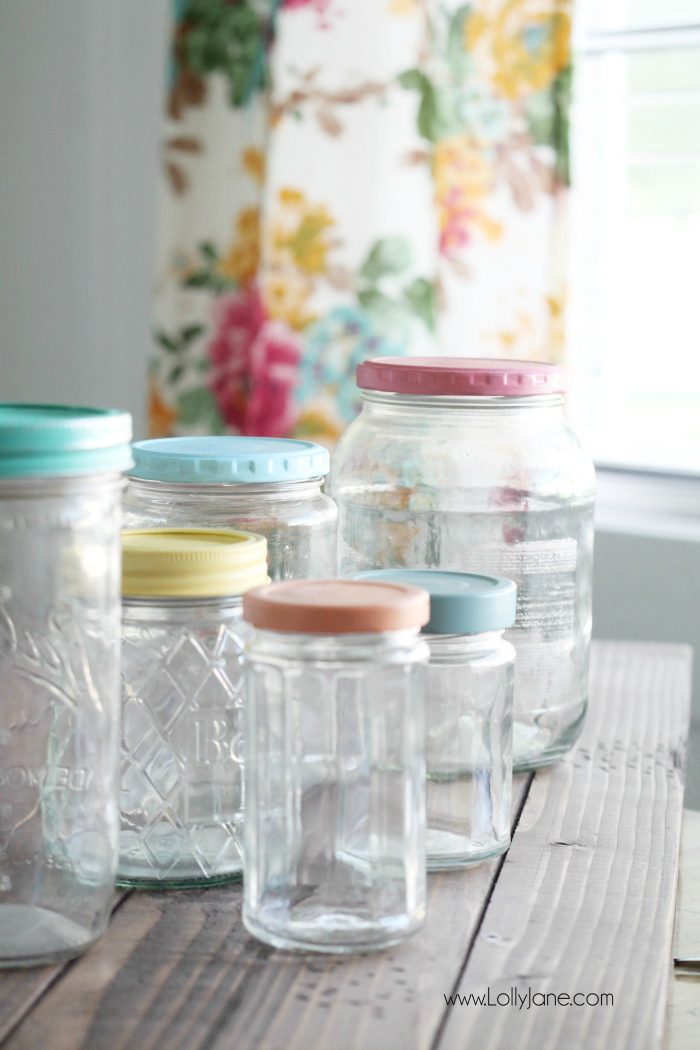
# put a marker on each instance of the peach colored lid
(336, 607)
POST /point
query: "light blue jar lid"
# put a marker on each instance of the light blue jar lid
(460, 602)
(59, 440)
(228, 460)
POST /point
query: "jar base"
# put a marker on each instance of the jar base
(353, 937)
(187, 882)
(446, 852)
(524, 760)
(33, 936)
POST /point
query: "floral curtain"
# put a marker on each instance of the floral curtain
(348, 178)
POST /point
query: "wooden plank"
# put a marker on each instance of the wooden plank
(683, 1012)
(584, 902)
(20, 990)
(178, 970)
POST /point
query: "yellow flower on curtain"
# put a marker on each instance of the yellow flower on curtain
(300, 229)
(253, 163)
(286, 293)
(161, 417)
(241, 262)
(463, 180)
(520, 46)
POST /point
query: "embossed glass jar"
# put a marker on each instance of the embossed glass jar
(268, 486)
(469, 713)
(60, 513)
(183, 637)
(335, 765)
(468, 465)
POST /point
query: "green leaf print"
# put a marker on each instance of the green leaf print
(420, 297)
(388, 255)
(197, 407)
(230, 39)
(437, 116)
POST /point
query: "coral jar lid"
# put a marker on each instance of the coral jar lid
(228, 460)
(336, 607)
(460, 602)
(59, 440)
(460, 376)
(191, 563)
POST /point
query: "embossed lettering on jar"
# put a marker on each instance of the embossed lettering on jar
(469, 465)
(182, 704)
(268, 486)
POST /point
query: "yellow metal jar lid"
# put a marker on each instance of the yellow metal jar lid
(191, 563)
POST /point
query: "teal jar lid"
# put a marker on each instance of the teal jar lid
(59, 440)
(460, 602)
(228, 460)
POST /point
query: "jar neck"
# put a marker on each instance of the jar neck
(176, 610)
(48, 487)
(379, 403)
(463, 645)
(146, 490)
(337, 647)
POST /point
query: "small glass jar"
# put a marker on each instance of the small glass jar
(468, 465)
(268, 486)
(335, 765)
(469, 714)
(61, 482)
(182, 704)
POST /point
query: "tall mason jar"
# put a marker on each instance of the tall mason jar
(469, 465)
(183, 637)
(60, 513)
(268, 486)
(335, 765)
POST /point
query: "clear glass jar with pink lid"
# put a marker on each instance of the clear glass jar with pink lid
(469, 465)
(335, 764)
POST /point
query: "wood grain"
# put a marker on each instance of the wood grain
(683, 1011)
(584, 902)
(178, 970)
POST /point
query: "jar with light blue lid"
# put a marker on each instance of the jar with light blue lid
(61, 482)
(469, 713)
(268, 486)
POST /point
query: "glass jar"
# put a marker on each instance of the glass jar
(335, 765)
(469, 713)
(182, 704)
(469, 466)
(267, 486)
(60, 508)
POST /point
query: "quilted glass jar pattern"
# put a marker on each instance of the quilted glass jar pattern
(181, 796)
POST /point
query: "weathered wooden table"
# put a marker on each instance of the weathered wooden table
(581, 905)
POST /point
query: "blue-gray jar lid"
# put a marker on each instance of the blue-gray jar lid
(460, 602)
(62, 440)
(228, 460)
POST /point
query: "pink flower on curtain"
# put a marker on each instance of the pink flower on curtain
(254, 366)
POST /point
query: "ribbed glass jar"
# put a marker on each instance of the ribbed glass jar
(60, 513)
(268, 486)
(469, 748)
(335, 788)
(182, 797)
(483, 483)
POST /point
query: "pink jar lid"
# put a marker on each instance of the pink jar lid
(336, 607)
(460, 376)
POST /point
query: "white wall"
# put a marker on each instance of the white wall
(81, 89)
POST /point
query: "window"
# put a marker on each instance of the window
(635, 246)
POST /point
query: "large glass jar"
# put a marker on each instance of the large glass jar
(183, 638)
(60, 511)
(469, 713)
(469, 465)
(335, 765)
(268, 486)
